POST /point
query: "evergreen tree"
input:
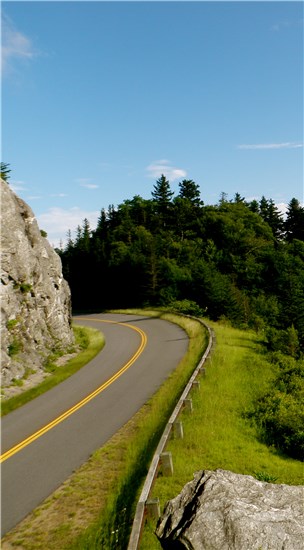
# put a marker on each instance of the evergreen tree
(102, 225)
(254, 206)
(190, 190)
(5, 170)
(162, 193)
(69, 244)
(271, 215)
(275, 219)
(263, 207)
(162, 196)
(86, 235)
(238, 198)
(294, 224)
(188, 209)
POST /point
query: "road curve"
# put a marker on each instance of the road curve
(58, 431)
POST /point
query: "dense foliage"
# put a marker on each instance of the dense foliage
(236, 259)
(279, 413)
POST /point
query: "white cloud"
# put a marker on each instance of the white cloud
(57, 222)
(281, 25)
(159, 167)
(287, 24)
(285, 145)
(89, 185)
(15, 44)
(85, 182)
(58, 195)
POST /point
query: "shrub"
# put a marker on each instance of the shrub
(82, 338)
(279, 413)
(286, 341)
(14, 348)
(186, 307)
(11, 324)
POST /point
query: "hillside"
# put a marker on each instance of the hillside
(236, 260)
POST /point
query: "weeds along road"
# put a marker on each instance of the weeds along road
(44, 441)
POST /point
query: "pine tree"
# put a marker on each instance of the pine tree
(238, 198)
(162, 193)
(190, 190)
(294, 224)
(162, 196)
(254, 206)
(5, 170)
(274, 219)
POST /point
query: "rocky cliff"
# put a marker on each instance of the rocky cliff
(35, 299)
(223, 510)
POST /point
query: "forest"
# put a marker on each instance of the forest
(235, 260)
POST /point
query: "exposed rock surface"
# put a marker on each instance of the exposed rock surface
(221, 510)
(35, 299)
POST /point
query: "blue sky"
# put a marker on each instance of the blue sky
(100, 98)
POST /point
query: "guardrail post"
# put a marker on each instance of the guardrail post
(153, 508)
(178, 429)
(166, 464)
(203, 371)
(196, 385)
(188, 405)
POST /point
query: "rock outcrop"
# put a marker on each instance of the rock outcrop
(35, 299)
(223, 510)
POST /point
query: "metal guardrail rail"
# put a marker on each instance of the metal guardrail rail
(152, 473)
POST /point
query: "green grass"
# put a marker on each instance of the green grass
(112, 528)
(103, 492)
(97, 503)
(90, 341)
(216, 434)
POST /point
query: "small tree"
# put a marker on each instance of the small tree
(294, 224)
(190, 190)
(162, 193)
(5, 170)
(162, 196)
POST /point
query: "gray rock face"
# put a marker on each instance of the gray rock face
(35, 299)
(221, 510)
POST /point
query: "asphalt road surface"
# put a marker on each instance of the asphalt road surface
(44, 441)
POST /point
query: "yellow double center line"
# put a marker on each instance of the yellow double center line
(84, 401)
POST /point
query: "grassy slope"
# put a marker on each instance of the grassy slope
(90, 497)
(216, 435)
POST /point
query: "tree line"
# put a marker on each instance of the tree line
(238, 260)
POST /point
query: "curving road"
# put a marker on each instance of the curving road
(44, 441)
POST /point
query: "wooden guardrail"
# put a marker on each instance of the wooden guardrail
(158, 457)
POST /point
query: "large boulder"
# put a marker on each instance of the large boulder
(35, 299)
(221, 510)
